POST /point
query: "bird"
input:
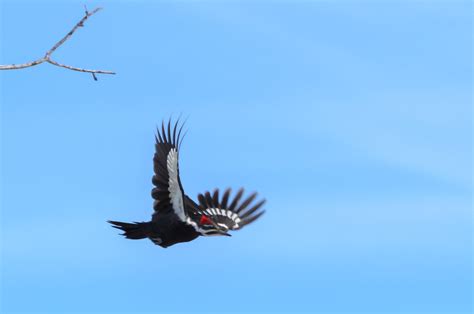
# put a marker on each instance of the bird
(176, 217)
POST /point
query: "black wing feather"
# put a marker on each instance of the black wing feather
(165, 142)
(236, 199)
(225, 198)
(246, 203)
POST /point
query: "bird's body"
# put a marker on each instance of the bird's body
(167, 230)
(177, 218)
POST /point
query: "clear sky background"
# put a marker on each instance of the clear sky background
(353, 119)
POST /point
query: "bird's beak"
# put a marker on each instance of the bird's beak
(224, 233)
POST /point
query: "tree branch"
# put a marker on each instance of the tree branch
(47, 56)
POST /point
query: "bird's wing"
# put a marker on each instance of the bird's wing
(230, 213)
(168, 191)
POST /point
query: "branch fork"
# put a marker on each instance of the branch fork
(47, 56)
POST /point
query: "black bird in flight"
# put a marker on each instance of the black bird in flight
(177, 218)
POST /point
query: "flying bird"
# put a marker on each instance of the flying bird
(176, 217)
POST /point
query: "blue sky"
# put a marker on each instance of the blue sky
(353, 119)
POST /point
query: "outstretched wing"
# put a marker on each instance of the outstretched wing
(231, 214)
(168, 191)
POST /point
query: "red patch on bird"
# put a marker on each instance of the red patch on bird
(205, 220)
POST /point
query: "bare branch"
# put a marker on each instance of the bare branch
(47, 56)
(22, 66)
(78, 69)
(68, 35)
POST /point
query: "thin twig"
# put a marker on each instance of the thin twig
(78, 69)
(47, 56)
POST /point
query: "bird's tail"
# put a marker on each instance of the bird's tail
(135, 231)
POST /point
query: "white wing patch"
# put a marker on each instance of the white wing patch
(226, 213)
(176, 194)
(223, 226)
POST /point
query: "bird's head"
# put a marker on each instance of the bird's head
(209, 227)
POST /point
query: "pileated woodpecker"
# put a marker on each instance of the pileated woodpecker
(177, 218)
